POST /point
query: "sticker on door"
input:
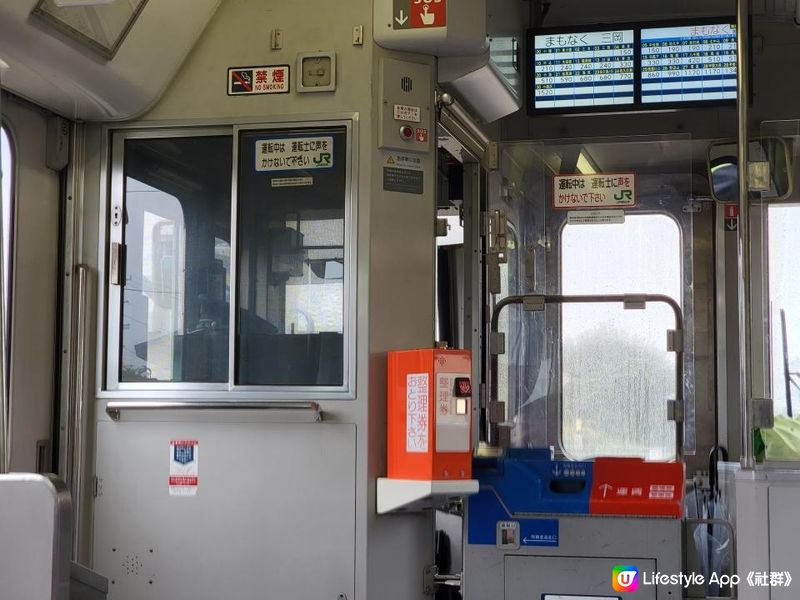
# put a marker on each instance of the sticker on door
(183, 467)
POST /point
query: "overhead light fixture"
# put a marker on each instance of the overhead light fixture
(100, 25)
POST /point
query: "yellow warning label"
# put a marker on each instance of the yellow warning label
(390, 161)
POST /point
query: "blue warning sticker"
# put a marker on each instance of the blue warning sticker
(538, 532)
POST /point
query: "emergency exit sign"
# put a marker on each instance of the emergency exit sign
(419, 14)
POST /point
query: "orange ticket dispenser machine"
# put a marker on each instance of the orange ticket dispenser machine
(429, 416)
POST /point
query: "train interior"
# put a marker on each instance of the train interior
(475, 300)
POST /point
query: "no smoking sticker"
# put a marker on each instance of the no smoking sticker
(251, 81)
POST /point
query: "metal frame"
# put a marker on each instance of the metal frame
(472, 324)
(115, 235)
(725, 436)
(109, 316)
(71, 257)
(349, 295)
(630, 301)
(686, 304)
(77, 406)
(556, 222)
(745, 359)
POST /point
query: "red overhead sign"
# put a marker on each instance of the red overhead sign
(428, 13)
(419, 14)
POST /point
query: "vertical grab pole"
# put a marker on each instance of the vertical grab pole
(5, 405)
(78, 407)
(743, 246)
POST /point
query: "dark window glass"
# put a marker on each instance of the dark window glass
(292, 194)
(176, 298)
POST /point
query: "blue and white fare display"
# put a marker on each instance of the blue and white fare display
(584, 69)
(689, 64)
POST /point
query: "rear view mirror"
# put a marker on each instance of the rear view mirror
(723, 169)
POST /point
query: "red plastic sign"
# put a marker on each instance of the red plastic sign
(631, 486)
(731, 211)
(428, 13)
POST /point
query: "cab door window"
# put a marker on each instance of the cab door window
(291, 251)
(617, 375)
(175, 297)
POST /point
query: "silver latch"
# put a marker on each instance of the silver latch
(431, 579)
(533, 303)
(498, 231)
(497, 343)
(675, 411)
(674, 340)
(497, 253)
(693, 206)
(634, 302)
(763, 413)
(497, 412)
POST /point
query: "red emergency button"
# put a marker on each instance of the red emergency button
(406, 132)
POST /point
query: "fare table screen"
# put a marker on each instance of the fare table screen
(694, 63)
(575, 70)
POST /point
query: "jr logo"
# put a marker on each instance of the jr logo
(624, 195)
(324, 160)
(625, 578)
